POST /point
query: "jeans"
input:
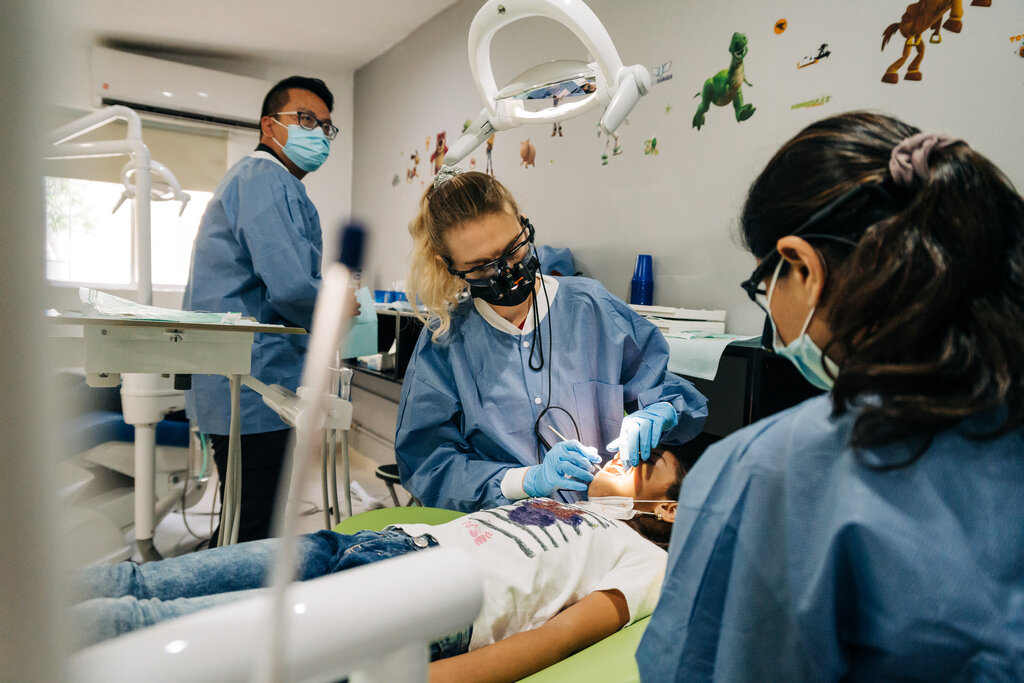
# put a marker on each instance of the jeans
(128, 596)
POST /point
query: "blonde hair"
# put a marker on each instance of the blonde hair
(464, 197)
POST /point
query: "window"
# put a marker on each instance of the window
(88, 245)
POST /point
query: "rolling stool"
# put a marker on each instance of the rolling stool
(389, 475)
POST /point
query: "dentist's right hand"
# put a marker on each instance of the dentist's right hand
(566, 466)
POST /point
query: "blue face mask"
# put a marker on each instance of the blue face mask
(307, 149)
(802, 352)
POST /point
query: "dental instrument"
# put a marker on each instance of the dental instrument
(602, 82)
(331, 318)
(594, 467)
(557, 433)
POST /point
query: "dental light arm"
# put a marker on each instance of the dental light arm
(607, 81)
(63, 147)
(338, 626)
(474, 136)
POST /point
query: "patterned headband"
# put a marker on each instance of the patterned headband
(909, 159)
(445, 174)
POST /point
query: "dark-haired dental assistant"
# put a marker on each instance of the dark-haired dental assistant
(876, 532)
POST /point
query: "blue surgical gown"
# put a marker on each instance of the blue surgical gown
(470, 399)
(792, 561)
(258, 253)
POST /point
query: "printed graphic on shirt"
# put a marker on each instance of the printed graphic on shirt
(535, 524)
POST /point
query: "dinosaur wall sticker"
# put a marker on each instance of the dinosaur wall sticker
(726, 86)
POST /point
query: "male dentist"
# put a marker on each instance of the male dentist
(258, 252)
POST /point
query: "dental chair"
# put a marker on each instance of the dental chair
(609, 661)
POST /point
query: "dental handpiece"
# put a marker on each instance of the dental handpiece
(594, 468)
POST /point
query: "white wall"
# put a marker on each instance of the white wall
(329, 188)
(681, 204)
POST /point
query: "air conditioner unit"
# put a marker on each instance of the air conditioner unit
(173, 89)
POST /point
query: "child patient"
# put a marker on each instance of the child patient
(557, 577)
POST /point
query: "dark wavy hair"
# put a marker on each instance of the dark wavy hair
(658, 531)
(927, 310)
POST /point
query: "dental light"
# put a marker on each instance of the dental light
(602, 82)
(163, 185)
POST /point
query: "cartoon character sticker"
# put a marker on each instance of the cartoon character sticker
(413, 172)
(816, 102)
(810, 60)
(660, 73)
(780, 26)
(527, 154)
(1019, 50)
(651, 147)
(918, 18)
(438, 155)
(490, 148)
(611, 142)
(726, 86)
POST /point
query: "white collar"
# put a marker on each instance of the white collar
(261, 154)
(499, 323)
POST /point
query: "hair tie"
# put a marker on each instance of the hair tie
(910, 158)
(445, 174)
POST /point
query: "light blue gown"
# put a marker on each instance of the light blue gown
(469, 400)
(258, 253)
(791, 561)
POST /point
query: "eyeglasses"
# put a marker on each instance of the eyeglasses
(310, 122)
(515, 252)
(754, 285)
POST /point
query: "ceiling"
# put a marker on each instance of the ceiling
(334, 35)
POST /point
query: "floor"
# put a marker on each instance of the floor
(181, 533)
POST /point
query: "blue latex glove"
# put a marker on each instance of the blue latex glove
(641, 431)
(566, 466)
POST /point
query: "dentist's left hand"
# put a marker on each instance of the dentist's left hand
(641, 431)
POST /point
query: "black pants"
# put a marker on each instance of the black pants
(262, 458)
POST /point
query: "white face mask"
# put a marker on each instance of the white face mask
(802, 352)
(619, 507)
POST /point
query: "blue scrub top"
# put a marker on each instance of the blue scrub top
(258, 253)
(791, 561)
(470, 399)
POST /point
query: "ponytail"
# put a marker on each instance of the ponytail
(932, 314)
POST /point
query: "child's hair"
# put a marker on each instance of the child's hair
(464, 197)
(655, 530)
(925, 311)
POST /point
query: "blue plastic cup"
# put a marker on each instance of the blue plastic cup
(641, 290)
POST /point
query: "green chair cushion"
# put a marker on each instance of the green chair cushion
(612, 660)
(375, 520)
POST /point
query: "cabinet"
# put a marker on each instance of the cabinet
(400, 329)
